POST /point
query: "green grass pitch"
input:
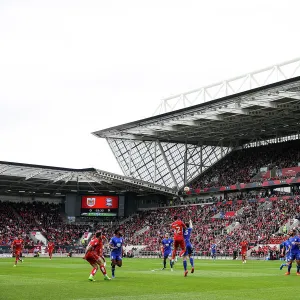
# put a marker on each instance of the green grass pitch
(63, 278)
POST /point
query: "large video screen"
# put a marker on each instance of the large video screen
(99, 206)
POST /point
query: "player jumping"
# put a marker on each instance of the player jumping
(166, 250)
(189, 248)
(116, 246)
(16, 248)
(92, 251)
(178, 227)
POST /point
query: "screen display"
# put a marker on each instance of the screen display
(99, 206)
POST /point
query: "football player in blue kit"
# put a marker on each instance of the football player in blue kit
(213, 251)
(294, 253)
(285, 248)
(166, 249)
(116, 246)
(189, 248)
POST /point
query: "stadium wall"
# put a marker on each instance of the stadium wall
(134, 202)
(73, 205)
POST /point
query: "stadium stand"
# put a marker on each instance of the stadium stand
(259, 214)
(242, 166)
(259, 220)
(11, 226)
(46, 217)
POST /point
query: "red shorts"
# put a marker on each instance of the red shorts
(17, 252)
(179, 243)
(92, 257)
(50, 251)
(244, 252)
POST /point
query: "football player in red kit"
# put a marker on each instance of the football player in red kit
(178, 227)
(244, 246)
(93, 254)
(16, 247)
(50, 248)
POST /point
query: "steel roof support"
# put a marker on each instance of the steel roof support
(113, 144)
(155, 160)
(29, 176)
(167, 164)
(58, 188)
(185, 165)
(3, 170)
(130, 160)
(231, 86)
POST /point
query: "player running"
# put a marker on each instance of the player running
(50, 248)
(166, 250)
(116, 246)
(16, 248)
(285, 252)
(213, 251)
(92, 251)
(189, 248)
(244, 246)
(294, 253)
(178, 227)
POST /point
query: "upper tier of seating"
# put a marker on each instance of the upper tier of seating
(242, 165)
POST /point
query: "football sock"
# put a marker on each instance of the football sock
(94, 271)
(171, 264)
(184, 265)
(192, 261)
(103, 270)
(113, 268)
(173, 254)
(298, 268)
(165, 262)
(289, 267)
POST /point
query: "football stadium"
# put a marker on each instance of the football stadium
(207, 207)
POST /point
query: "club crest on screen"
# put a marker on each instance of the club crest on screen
(90, 201)
(108, 202)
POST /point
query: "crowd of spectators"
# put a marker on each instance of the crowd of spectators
(241, 166)
(11, 226)
(23, 218)
(257, 222)
(257, 217)
(46, 218)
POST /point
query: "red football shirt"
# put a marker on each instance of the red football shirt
(97, 245)
(18, 244)
(178, 227)
(244, 246)
(99, 248)
(50, 246)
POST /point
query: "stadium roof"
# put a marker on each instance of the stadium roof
(26, 179)
(197, 128)
(271, 111)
